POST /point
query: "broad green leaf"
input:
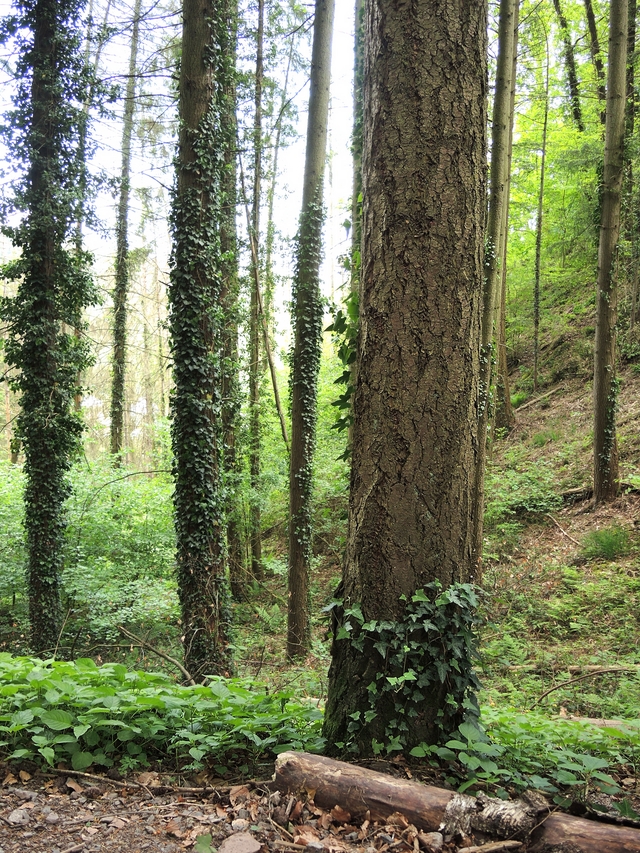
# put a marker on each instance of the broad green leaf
(81, 760)
(57, 719)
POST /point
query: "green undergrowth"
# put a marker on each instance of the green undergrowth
(512, 750)
(81, 715)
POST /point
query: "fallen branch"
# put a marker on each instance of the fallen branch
(494, 847)
(359, 790)
(562, 530)
(582, 678)
(537, 399)
(143, 643)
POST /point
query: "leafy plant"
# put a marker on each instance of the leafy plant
(81, 714)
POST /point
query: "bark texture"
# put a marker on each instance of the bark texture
(605, 453)
(412, 513)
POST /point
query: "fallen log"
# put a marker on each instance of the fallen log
(360, 791)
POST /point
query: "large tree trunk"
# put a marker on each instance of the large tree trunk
(307, 313)
(197, 333)
(121, 289)
(605, 388)
(365, 793)
(254, 314)
(412, 512)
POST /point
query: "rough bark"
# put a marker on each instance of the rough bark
(605, 454)
(376, 796)
(121, 289)
(412, 512)
(307, 314)
(570, 64)
(257, 570)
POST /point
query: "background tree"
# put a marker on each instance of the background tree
(197, 332)
(306, 315)
(121, 288)
(412, 514)
(54, 288)
(605, 383)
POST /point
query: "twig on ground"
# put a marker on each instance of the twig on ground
(561, 529)
(188, 677)
(494, 847)
(582, 678)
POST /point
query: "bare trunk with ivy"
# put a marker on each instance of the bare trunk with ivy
(413, 516)
(570, 65)
(257, 570)
(605, 381)
(596, 55)
(307, 313)
(197, 327)
(53, 289)
(121, 289)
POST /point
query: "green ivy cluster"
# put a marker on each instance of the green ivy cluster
(433, 647)
(197, 325)
(345, 331)
(44, 350)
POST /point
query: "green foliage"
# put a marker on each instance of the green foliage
(431, 649)
(83, 715)
(606, 544)
(345, 331)
(512, 491)
(531, 751)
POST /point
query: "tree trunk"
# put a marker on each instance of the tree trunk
(257, 570)
(596, 56)
(504, 417)
(376, 796)
(230, 302)
(121, 289)
(197, 333)
(570, 64)
(412, 512)
(605, 383)
(498, 177)
(537, 267)
(307, 314)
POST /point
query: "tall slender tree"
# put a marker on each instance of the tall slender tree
(307, 313)
(255, 371)
(197, 332)
(53, 289)
(121, 289)
(412, 512)
(596, 55)
(605, 384)
(538, 260)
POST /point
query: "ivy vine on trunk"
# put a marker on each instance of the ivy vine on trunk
(197, 325)
(53, 287)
